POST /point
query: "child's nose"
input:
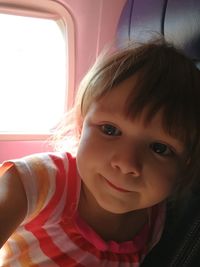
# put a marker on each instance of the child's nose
(128, 161)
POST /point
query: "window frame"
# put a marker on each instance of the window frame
(50, 9)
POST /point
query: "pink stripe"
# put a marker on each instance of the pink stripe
(53, 252)
(106, 256)
(46, 243)
(60, 184)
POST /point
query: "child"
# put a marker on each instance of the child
(138, 131)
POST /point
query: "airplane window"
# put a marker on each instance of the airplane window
(33, 74)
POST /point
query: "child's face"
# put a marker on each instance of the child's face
(124, 164)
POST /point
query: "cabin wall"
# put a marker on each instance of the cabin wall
(95, 26)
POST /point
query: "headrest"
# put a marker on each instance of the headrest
(177, 20)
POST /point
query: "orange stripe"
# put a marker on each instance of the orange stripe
(24, 258)
(47, 244)
(42, 183)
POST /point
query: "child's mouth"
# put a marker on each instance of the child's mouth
(116, 187)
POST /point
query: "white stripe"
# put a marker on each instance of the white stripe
(29, 180)
(64, 243)
(61, 205)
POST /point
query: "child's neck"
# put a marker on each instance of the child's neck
(110, 226)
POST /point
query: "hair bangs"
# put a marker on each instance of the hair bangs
(161, 88)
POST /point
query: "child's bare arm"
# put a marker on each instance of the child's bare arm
(13, 203)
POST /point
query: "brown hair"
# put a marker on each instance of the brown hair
(168, 80)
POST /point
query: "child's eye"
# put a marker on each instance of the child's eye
(161, 149)
(109, 129)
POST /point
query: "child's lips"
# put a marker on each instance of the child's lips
(116, 187)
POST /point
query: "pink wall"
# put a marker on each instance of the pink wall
(15, 149)
(95, 25)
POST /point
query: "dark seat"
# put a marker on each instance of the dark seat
(177, 20)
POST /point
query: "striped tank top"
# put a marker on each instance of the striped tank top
(53, 234)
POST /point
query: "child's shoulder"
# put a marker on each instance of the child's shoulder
(43, 158)
(13, 204)
(41, 177)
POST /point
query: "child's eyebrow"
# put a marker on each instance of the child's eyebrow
(107, 114)
(102, 109)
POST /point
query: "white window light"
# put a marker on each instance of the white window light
(33, 74)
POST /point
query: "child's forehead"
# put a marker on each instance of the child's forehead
(119, 94)
(120, 100)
